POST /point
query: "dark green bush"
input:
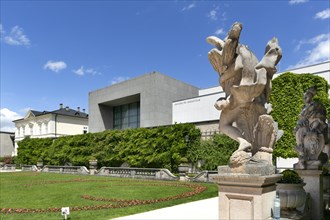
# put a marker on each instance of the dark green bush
(290, 177)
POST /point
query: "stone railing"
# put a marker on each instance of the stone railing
(143, 173)
(29, 168)
(8, 167)
(204, 176)
(65, 169)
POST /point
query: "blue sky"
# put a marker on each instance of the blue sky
(56, 52)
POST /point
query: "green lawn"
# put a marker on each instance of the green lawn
(31, 195)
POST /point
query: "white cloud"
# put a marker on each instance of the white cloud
(189, 7)
(16, 37)
(219, 31)
(294, 2)
(119, 79)
(55, 66)
(319, 53)
(213, 15)
(323, 14)
(6, 119)
(79, 71)
(82, 71)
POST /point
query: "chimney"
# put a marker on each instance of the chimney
(78, 109)
(83, 110)
(61, 106)
(67, 108)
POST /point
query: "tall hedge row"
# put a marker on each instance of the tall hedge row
(161, 147)
(287, 102)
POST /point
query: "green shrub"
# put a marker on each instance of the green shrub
(213, 152)
(290, 177)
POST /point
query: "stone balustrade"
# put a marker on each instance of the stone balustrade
(8, 167)
(144, 173)
(29, 168)
(65, 169)
(203, 176)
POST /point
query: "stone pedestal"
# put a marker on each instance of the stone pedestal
(246, 196)
(92, 167)
(314, 186)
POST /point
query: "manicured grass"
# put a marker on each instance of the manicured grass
(41, 195)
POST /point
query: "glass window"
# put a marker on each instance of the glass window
(127, 116)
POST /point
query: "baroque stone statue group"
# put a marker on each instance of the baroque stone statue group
(247, 86)
(245, 108)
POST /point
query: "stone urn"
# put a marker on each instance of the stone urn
(292, 196)
(184, 166)
(92, 166)
(40, 164)
(93, 163)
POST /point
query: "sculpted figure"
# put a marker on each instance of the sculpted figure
(311, 133)
(247, 85)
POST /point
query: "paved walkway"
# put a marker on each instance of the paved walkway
(206, 209)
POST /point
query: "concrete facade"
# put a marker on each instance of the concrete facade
(6, 143)
(154, 91)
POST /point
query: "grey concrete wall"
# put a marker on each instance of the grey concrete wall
(155, 91)
(6, 144)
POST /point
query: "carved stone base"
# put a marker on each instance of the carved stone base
(314, 186)
(292, 214)
(245, 196)
(308, 165)
(252, 168)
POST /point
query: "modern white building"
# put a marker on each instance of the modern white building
(43, 124)
(200, 111)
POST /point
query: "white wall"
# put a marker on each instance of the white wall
(70, 126)
(202, 108)
(64, 125)
(196, 109)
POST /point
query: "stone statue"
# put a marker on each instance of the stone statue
(311, 133)
(247, 85)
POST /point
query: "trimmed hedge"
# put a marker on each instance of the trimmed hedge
(161, 147)
(214, 152)
(287, 102)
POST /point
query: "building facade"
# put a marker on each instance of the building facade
(155, 99)
(7, 143)
(200, 111)
(145, 101)
(61, 122)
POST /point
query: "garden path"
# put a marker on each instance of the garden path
(206, 209)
